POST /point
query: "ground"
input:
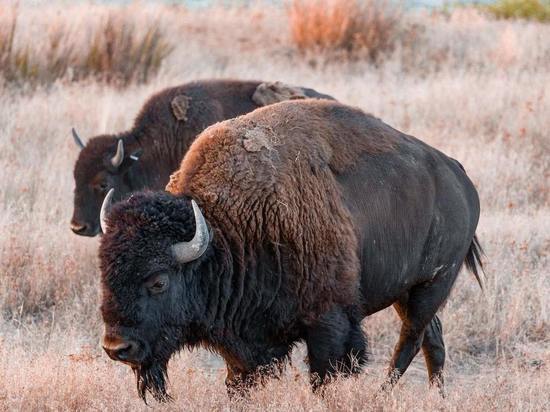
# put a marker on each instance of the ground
(475, 88)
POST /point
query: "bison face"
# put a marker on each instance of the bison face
(152, 257)
(146, 320)
(101, 166)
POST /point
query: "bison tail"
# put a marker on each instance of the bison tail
(473, 261)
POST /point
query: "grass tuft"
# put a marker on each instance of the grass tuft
(116, 51)
(355, 27)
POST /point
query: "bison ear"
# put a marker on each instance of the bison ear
(136, 155)
(180, 104)
(129, 161)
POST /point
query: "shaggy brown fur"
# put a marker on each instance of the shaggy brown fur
(276, 92)
(266, 167)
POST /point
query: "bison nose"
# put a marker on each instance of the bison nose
(123, 350)
(83, 229)
(78, 228)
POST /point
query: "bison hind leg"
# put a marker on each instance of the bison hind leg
(422, 328)
(433, 348)
(336, 345)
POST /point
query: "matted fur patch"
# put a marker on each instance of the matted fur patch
(257, 138)
(180, 104)
(274, 92)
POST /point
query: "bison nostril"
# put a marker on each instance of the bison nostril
(124, 351)
(77, 228)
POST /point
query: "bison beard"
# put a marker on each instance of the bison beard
(152, 378)
(152, 375)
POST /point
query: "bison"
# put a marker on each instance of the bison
(291, 223)
(144, 156)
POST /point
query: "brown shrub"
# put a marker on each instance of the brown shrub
(352, 26)
(118, 51)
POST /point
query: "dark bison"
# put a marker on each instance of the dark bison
(289, 224)
(146, 155)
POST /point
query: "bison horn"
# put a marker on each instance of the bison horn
(192, 250)
(118, 158)
(77, 139)
(105, 208)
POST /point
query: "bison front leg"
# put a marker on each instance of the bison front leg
(335, 345)
(241, 381)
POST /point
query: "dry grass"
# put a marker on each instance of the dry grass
(351, 26)
(111, 48)
(473, 87)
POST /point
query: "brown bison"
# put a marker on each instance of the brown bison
(144, 156)
(289, 224)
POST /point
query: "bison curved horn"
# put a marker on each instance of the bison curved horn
(118, 158)
(77, 139)
(192, 250)
(105, 208)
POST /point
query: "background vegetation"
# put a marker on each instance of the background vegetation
(473, 86)
(112, 47)
(521, 9)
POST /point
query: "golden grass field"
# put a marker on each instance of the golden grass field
(476, 88)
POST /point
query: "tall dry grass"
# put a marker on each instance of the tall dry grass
(112, 47)
(472, 87)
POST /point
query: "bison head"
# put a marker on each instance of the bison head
(101, 165)
(152, 258)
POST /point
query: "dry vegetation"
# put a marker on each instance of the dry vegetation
(111, 47)
(521, 9)
(475, 88)
(354, 27)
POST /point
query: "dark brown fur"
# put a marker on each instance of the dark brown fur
(284, 191)
(162, 132)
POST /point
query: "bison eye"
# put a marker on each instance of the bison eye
(157, 283)
(103, 187)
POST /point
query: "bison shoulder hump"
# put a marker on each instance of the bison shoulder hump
(274, 92)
